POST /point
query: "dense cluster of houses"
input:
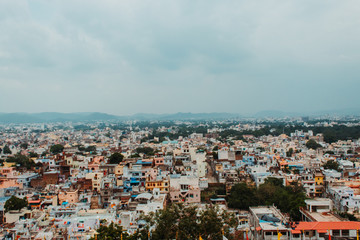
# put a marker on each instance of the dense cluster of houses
(72, 192)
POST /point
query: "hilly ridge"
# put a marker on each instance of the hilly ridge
(97, 116)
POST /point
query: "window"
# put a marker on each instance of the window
(336, 232)
(345, 233)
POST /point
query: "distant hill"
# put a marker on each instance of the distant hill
(276, 114)
(54, 117)
(340, 112)
(185, 116)
(334, 112)
(96, 116)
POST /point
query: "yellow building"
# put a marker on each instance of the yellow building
(319, 178)
(162, 184)
(319, 183)
(9, 164)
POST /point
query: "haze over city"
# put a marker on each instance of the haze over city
(126, 57)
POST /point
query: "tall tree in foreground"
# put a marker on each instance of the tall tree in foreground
(112, 232)
(188, 222)
(178, 222)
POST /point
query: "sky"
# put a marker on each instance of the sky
(129, 56)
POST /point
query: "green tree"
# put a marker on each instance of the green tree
(288, 199)
(24, 145)
(57, 148)
(290, 152)
(331, 164)
(90, 149)
(146, 150)
(135, 155)
(116, 158)
(349, 216)
(6, 150)
(242, 197)
(21, 161)
(81, 148)
(166, 222)
(188, 222)
(111, 232)
(312, 144)
(87, 149)
(15, 203)
(33, 155)
(213, 223)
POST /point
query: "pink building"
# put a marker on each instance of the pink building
(6, 183)
(7, 171)
(185, 189)
(158, 161)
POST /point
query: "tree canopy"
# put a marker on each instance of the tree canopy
(312, 144)
(290, 152)
(113, 232)
(288, 199)
(146, 150)
(177, 222)
(6, 150)
(331, 164)
(21, 161)
(24, 145)
(57, 148)
(116, 158)
(15, 203)
(188, 222)
(87, 149)
(33, 155)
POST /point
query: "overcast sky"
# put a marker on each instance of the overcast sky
(124, 57)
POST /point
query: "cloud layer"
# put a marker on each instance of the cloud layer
(124, 57)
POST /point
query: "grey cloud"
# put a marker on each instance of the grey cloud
(167, 56)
